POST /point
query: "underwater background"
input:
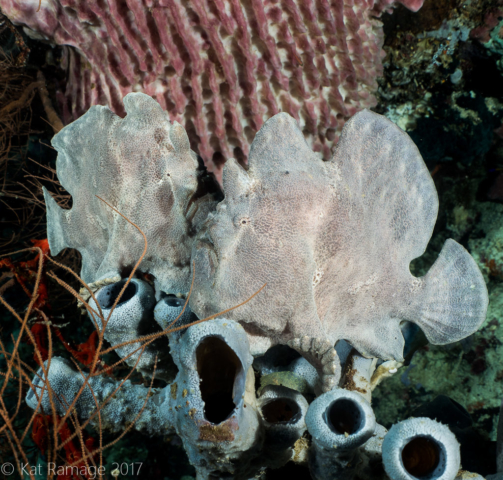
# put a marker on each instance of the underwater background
(442, 83)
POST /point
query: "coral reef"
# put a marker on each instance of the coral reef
(441, 80)
(219, 68)
(488, 251)
(321, 251)
(490, 33)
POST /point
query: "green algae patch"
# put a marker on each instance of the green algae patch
(285, 379)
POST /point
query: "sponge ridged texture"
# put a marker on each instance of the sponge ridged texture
(220, 68)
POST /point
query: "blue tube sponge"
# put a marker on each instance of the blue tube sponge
(120, 403)
(131, 319)
(169, 309)
(283, 412)
(65, 383)
(213, 399)
(420, 448)
(339, 421)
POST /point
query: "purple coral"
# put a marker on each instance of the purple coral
(221, 69)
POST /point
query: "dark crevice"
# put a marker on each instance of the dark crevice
(217, 366)
(420, 457)
(107, 295)
(344, 416)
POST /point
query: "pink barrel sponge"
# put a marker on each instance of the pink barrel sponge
(219, 67)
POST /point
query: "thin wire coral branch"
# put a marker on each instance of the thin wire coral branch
(133, 422)
(45, 367)
(4, 415)
(27, 314)
(100, 427)
(124, 380)
(117, 300)
(53, 118)
(58, 439)
(154, 336)
(46, 386)
(77, 295)
(18, 463)
(101, 332)
(23, 376)
(21, 101)
(148, 339)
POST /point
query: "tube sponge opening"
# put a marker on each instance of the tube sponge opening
(107, 295)
(218, 367)
(283, 407)
(134, 306)
(420, 448)
(421, 456)
(344, 417)
(281, 410)
(130, 320)
(169, 309)
(340, 419)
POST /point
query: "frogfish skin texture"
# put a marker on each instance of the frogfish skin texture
(334, 241)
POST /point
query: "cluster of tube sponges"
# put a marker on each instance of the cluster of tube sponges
(213, 406)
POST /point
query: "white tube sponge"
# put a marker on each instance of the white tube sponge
(336, 413)
(169, 309)
(131, 319)
(65, 383)
(213, 399)
(283, 411)
(129, 403)
(420, 448)
(339, 421)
